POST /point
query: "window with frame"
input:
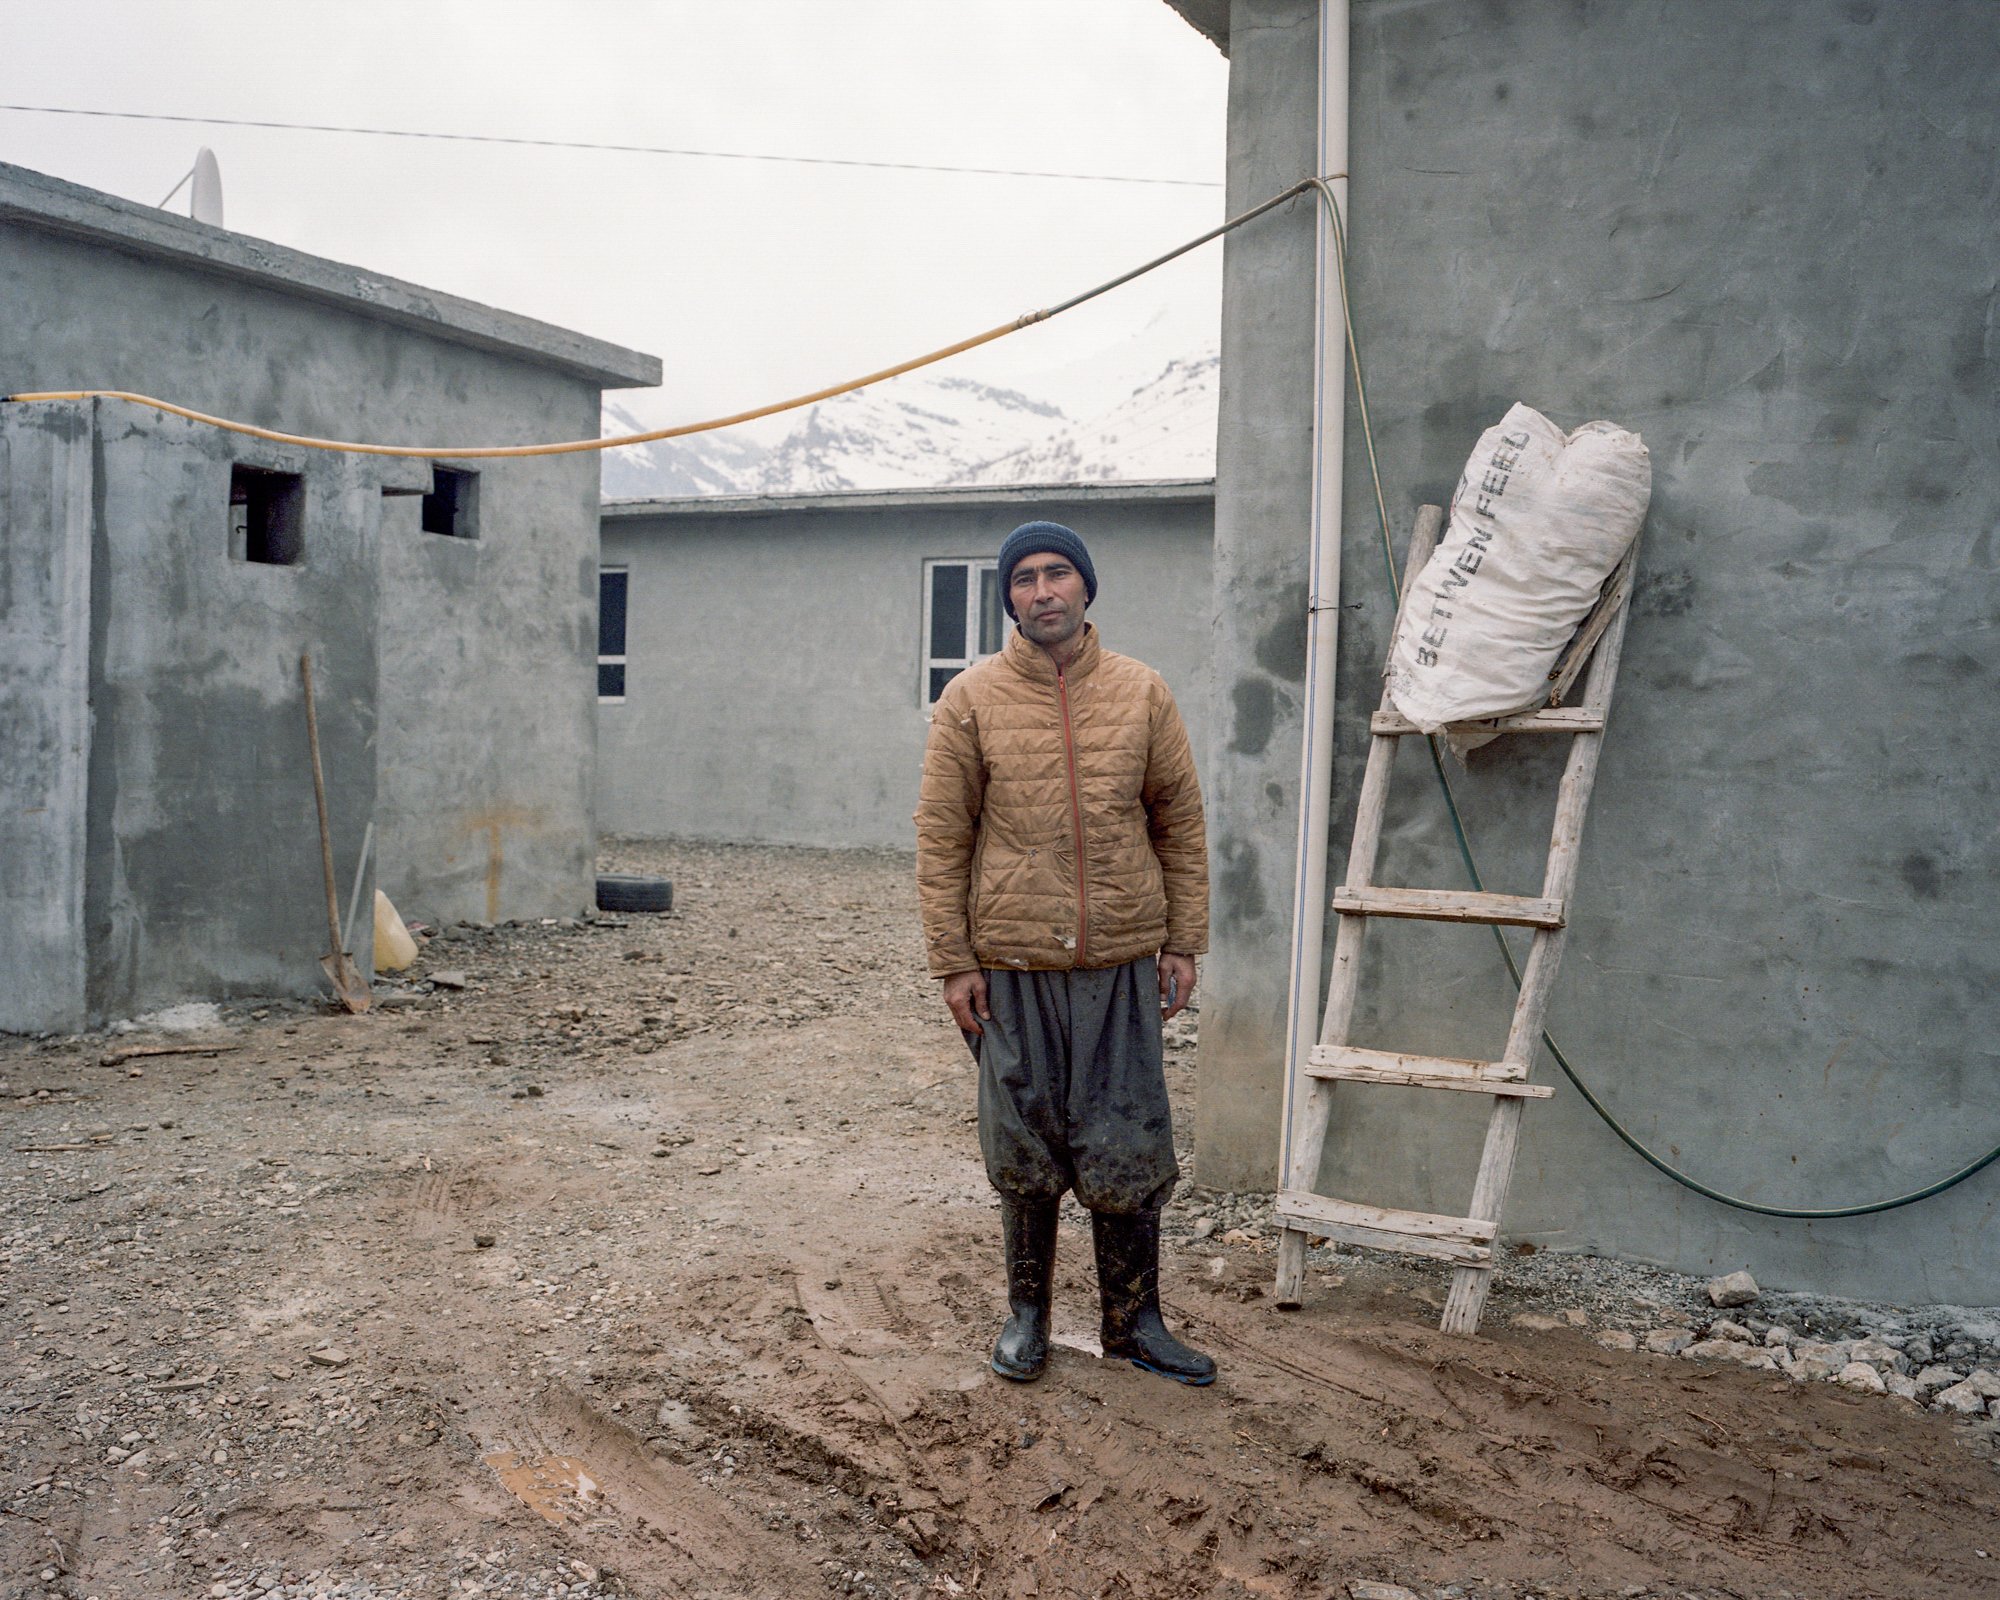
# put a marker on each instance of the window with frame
(612, 588)
(963, 620)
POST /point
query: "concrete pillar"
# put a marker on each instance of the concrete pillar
(1262, 508)
(47, 492)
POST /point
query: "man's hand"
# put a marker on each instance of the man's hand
(1176, 983)
(965, 994)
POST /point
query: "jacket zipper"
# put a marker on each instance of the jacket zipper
(1076, 820)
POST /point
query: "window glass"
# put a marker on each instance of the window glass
(992, 620)
(948, 610)
(612, 583)
(963, 622)
(611, 612)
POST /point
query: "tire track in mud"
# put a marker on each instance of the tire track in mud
(599, 1484)
(1137, 1496)
(965, 1477)
(1043, 1504)
(443, 1197)
(864, 1381)
(1422, 1449)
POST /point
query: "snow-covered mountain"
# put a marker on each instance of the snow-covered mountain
(925, 432)
(908, 433)
(1163, 429)
(702, 463)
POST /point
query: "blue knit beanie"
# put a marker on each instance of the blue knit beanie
(1031, 538)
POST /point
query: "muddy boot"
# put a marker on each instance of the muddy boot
(1128, 1279)
(1029, 1229)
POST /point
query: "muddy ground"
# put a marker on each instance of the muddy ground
(678, 1228)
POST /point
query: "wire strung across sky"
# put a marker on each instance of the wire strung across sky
(624, 149)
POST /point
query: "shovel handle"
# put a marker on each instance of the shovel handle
(319, 800)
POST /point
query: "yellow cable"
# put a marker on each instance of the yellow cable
(567, 447)
(570, 447)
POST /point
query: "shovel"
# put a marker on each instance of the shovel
(348, 985)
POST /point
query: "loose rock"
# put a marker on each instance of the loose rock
(1962, 1398)
(1745, 1355)
(1879, 1353)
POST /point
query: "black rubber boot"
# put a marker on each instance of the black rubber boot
(1128, 1279)
(1029, 1230)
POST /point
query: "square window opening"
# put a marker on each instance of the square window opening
(267, 516)
(452, 506)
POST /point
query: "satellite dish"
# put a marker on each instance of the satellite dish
(207, 192)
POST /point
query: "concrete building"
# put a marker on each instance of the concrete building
(769, 662)
(1765, 241)
(159, 580)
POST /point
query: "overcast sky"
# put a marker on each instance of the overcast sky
(750, 280)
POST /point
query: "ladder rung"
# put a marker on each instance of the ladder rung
(1346, 1062)
(1557, 719)
(1450, 905)
(1465, 1240)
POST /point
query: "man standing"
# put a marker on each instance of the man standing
(1062, 867)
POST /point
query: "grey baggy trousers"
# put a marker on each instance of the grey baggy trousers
(1073, 1087)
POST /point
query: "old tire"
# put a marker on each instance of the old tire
(624, 891)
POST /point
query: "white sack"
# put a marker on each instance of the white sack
(1537, 524)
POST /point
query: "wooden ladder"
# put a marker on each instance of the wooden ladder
(1466, 1241)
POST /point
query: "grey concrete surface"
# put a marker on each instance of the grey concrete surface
(46, 492)
(1766, 243)
(1209, 18)
(489, 677)
(774, 646)
(476, 707)
(1263, 505)
(203, 874)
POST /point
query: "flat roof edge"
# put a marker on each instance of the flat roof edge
(725, 505)
(1209, 18)
(35, 200)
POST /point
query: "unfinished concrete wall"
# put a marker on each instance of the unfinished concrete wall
(482, 737)
(1263, 503)
(1767, 243)
(489, 672)
(488, 644)
(46, 461)
(204, 875)
(773, 674)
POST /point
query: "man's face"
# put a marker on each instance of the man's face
(1049, 598)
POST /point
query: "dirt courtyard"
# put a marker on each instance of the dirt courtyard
(652, 1255)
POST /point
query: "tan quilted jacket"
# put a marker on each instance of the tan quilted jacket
(1059, 823)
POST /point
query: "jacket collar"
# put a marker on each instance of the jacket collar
(1031, 661)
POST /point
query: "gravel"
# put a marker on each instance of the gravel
(155, 1404)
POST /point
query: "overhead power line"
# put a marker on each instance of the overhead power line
(623, 149)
